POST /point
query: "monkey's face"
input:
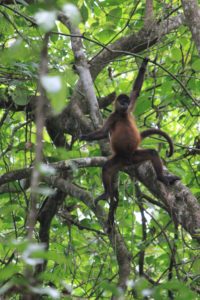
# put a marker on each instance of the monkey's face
(122, 103)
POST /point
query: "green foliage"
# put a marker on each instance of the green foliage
(81, 262)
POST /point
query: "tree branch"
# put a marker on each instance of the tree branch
(148, 18)
(178, 200)
(82, 68)
(40, 121)
(192, 15)
(116, 239)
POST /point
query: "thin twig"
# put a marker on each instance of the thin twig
(40, 121)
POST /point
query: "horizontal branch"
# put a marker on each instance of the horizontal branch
(178, 200)
(71, 164)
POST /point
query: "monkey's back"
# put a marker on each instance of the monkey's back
(124, 136)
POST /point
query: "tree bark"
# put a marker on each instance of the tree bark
(192, 16)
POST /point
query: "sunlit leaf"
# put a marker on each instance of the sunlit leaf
(56, 91)
(84, 13)
(45, 19)
(72, 12)
(196, 65)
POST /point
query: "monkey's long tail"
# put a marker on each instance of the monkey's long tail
(152, 131)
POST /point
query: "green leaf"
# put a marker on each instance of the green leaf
(114, 15)
(143, 105)
(196, 65)
(105, 35)
(180, 290)
(19, 51)
(84, 13)
(20, 95)
(62, 28)
(176, 54)
(56, 90)
(8, 272)
(113, 2)
(6, 27)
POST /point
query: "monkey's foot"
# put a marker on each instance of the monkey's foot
(168, 179)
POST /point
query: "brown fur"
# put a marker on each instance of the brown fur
(124, 140)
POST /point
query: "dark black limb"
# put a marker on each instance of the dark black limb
(110, 182)
(137, 86)
(96, 135)
(112, 209)
(140, 78)
(152, 155)
(151, 131)
(168, 179)
(109, 178)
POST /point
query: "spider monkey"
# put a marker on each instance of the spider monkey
(125, 138)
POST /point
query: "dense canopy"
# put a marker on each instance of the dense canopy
(61, 66)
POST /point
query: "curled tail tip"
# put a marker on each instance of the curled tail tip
(169, 153)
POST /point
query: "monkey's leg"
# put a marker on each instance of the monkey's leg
(110, 183)
(109, 179)
(114, 199)
(152, 155)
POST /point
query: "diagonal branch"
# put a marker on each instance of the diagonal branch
(82, 68)
(178, 200)
(122, 254)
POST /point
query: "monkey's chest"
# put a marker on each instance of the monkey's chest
(124, 138)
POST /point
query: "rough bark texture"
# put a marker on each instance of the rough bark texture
(122, 254)
(135, 43)
(82, 68)
(192, 16)
(179, 201)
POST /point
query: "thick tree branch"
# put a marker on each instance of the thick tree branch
(64, 165)
(82, 68)
(134, 43)
(192, 16)
(148, 18)
(178, 200)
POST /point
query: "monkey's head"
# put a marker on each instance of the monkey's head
(122, 103)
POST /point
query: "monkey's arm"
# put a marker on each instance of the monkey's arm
(99, 134)
(96, 135)
(138, 84)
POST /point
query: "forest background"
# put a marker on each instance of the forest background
(61, 66)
